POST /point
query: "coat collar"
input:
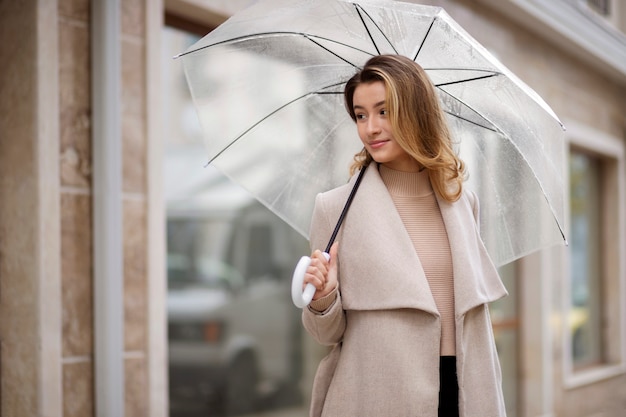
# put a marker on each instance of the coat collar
(386, 273)
(476, 279)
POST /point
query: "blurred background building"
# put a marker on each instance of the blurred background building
(135, 281)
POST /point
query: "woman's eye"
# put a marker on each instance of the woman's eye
(383, 112)
(360, 117)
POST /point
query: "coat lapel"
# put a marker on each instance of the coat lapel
(385, 271)
(476, 280)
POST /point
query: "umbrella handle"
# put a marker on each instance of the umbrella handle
(301, 298)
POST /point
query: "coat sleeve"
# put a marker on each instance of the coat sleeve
(328, 326)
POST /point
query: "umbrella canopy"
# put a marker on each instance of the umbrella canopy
(268, 85)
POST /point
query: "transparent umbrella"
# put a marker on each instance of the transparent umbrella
(268, 84)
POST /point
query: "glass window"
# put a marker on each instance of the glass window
(593, 308)
(261, 250)
(585, 318)
(236, 345)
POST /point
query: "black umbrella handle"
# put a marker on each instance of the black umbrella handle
(345, 208)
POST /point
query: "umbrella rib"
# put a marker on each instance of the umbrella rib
(472, 122)
(494, 129)
(255, 35)
(468, 80)
(267, 117)
(424, 39)
(360, 9)
(329, 51)
(366, 28)
(462, 69)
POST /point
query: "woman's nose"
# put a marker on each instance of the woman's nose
(373, 126)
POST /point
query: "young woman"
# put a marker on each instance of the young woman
(403, 299)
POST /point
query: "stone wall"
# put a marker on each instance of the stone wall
(76, 196)
(46, 213)
(134, 185)
(76, 207)
(30, 322)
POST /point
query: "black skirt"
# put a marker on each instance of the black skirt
(448, 387)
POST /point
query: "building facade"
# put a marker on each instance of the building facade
(93, 126)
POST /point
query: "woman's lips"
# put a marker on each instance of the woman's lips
(377, 144)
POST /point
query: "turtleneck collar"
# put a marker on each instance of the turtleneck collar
(406, 184)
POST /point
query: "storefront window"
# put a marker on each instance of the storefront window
(236, 342)
(585, 262)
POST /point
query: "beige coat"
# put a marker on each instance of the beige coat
(385, 327)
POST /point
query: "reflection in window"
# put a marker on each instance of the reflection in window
(261, 250)
(236, 343)
(585, 319)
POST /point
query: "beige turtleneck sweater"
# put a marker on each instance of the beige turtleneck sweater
(417, 205)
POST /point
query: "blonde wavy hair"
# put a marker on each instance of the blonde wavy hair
(417, 121)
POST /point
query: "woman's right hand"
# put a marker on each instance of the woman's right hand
(322, 273)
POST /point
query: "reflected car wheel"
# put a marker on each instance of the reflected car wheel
(242, 381)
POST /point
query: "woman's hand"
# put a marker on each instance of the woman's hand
(322, 273)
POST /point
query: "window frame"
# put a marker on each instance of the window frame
(610, 150)
(613, 15)
(603, 8)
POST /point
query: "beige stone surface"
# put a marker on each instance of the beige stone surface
(136, 380)
(134, 117)
(78, 389)
(75, 9)
(134, 155)
(135, 280)
(75, 104)
(76, 269)
(596, 400)
(133, 17)
(27, 246)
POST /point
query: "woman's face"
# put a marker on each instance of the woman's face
(374, 128)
